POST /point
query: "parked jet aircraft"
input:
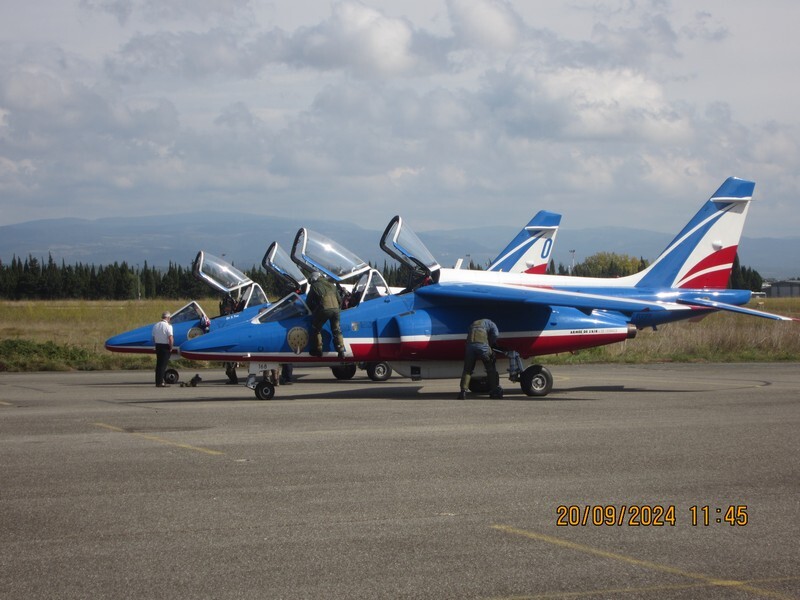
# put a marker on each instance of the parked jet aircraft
(530, 249)
(421, 332)
(242, 300)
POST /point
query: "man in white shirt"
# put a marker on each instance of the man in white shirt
(162, 338)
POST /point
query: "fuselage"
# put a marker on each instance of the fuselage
(139, 340)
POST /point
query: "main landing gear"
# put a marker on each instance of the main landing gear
(264, 377)
(535, 380)
(376, 371)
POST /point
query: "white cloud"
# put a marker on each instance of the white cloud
(487, 24)
(373, 107)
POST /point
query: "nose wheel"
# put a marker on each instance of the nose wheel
(171, 376)
(265, 390)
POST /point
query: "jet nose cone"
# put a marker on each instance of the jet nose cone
(135, 340)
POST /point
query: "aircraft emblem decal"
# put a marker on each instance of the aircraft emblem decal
(297, 338)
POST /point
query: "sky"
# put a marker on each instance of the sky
(450, 113)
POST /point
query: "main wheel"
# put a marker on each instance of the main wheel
(171, 376)
(536, 380)
(379, 371)
(344, 371)
(265, 390)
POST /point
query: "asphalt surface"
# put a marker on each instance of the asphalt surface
(112, 488)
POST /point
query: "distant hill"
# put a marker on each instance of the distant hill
(243, 239)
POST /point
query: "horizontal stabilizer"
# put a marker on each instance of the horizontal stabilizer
(705, 303)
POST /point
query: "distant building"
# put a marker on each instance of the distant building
(783, 289)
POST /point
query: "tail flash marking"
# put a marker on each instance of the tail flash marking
(711, 272)
(537, 269)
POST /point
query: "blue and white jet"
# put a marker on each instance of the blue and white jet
(421, 332)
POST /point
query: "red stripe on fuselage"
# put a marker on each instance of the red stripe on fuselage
(431, 349)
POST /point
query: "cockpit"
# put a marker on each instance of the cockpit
(237, 289)
(289, 307)
(189, 312)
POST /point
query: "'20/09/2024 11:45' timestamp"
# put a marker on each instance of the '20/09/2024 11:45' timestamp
(649, 515)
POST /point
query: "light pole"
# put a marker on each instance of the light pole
(572, 268)
(138, 282)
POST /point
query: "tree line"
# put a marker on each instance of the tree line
(34, 279)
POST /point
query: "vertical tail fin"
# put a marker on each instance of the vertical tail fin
(530, 250)
(702, 254)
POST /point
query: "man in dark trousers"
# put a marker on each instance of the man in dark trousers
(324, 301)
(481, 338)
(163, 340)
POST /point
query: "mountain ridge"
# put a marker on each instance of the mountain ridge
(243, 238)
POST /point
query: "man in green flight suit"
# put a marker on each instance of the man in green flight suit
(323, 299)
(481, 338)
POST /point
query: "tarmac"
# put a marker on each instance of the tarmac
(645, 482)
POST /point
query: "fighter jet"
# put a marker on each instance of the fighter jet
(421, 332)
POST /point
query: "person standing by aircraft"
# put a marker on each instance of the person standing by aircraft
(163, 341)
(481, 338)
(323, 300)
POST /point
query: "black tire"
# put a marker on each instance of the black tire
(344, 371)
(536, 380)
(265, 390)
(171, 377)
(379, 371)
(479, 385)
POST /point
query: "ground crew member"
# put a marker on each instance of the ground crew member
(163, 340)
(323, 299)
(481, 338)
(227, 306)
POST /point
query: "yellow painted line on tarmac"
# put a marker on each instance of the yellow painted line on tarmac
(617, 592)
(160, 440)
(704, 579)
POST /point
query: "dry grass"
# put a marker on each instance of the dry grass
(79, 324)
(720, 337)
(83, 323)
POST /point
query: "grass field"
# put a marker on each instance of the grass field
(69, 335)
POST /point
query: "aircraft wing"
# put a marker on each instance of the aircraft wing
(471, 292)
(706, 303)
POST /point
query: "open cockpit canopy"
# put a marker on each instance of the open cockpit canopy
(402, 244)
(315, 252)
(278, 262)
(226, 279)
